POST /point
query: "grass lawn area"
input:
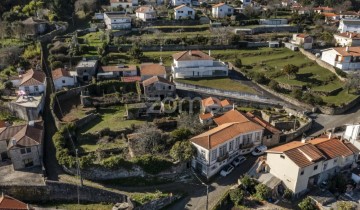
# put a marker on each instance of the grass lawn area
(112, 118)
(142, 198)
(91, 145)
(341, 97)
(219, 83)
(73, 206)
(93, 38)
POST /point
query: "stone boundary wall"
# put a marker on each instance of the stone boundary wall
(321, 63)
(159, 203)
(80, 123)
(62, 192)
(339, 110)
(49, 36)
(302, 129)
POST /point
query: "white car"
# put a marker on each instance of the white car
(259, 150)
(238, 160)
(226, 170)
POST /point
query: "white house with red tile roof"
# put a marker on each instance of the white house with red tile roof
(303, 40)
(347, 39)
(344, 58)
(215, 105)
(195, 63)
(219, 146)
(302, 164)
(33, 82)
(146, 13)
(222, 10)
(22, 144)
(62, 78)
(184, 12)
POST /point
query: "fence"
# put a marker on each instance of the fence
(225, 93)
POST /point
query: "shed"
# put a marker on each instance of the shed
(274, 44)
(291, 46)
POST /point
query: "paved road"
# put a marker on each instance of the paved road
(196, 200)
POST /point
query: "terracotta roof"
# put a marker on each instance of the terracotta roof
(205, 116)
(268, 127)
(225, 102)
(131, 79)
(2, 124)
(32, 77)
(60, 72)
(7, 133)
(218, 5)
(10, 203)
(285, 147)
(351, 147)
(152, 69)
(331, 148)
(26, 135)
(117, 68)
(302, 35)
(223, 133)
(329, 14)
(191, 55)
(230, 117)
(181, 6)
(324, 8)
(210, 101)
(145, 9)
(349, 35)
(353, 51)
(304, 155)
(154, 79)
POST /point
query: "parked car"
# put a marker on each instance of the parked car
(226, 170)
(238, 160)
(259, 150)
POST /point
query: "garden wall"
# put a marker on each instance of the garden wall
(80, 123)
(158, 203)
(55, 191)
(273, 29)
(339, 110)
(175, 22)
(49, 36)
(321, 63)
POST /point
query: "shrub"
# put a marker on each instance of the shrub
(307, 204)
(237, 196)
(260, 78)
(31, 51)
(288, 194)
(274, 85)
(182, 151)
(345, 205)
(181, 134)
(87, 160)
(238, 63)
(340, 72)
(152, 164)
(262, 192)
(296, 94)
(57, 64)
(116, 162)
(248, 183)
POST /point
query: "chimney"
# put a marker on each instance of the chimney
(209, 52)
(350, 35)
(303, 140)
(330, 135)
(347, 49)
(190, 53)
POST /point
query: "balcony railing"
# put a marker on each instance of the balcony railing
(221, 158)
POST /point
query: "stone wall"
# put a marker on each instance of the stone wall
(341, 109)
(55, 191)
(321, 63)
(49, 36)
(292, 135)
(80, 123)
(273, 29)
(159, 203)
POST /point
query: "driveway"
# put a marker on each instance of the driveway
(196, 200)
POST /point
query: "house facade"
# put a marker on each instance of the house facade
(148, 70)
(219, 146)
(158, 88)
(86, 69)
(115, 4)
(116, 71)
(222, 10)
(145, 13)
(303, 40)
(33, 82)
(215, 105)
(117, 21)
(349, 25)
(344, 58)
(62, 78)
(34, 26)
(180, 2)
(352, 134)
(22, 144)
(195, 63)
(184, 12)
(347, 39)
(301, 165)
(27, 107)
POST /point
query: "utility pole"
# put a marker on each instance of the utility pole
(207, 197)
(79, 175)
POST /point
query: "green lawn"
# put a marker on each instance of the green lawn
(220, 83)
(94, 38)
(340, 98)
(112, 118)
(11, 42)
(90, 144)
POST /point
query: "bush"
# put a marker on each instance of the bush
(248, 183)
(238, 63)
(87, 160)
(181, 134)
(31, 51)
(262, 192)
(116, 162)
(307, 204)
(345, 205)
(274, 85)
(56, 64)
(288, 194)
(260, 78)
(296, 94)
(340, 72)
(237, 196)
(152, 164)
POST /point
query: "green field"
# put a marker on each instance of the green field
(112, 118)
(219, 83)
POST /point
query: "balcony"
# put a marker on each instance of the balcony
(246, 146)
(222, 158)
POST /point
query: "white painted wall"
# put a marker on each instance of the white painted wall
(183, 13)
(31, 89)
(344, 41)
(222, 11)
(349, 26)
(180, 2)
(64, 82)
